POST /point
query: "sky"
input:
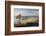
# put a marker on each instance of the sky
(26, 12)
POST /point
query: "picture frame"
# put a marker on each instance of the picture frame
(9, 15)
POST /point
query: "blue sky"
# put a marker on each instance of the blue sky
(26, 12)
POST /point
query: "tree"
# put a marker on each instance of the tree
(18, 17)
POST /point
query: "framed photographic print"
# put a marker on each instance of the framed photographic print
(24, 17)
